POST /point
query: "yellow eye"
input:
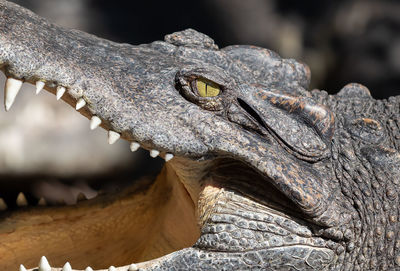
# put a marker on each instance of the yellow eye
(207, 88)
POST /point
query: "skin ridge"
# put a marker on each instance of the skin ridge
(273, 177)
(372, 153)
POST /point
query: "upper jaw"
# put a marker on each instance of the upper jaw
(117, 84)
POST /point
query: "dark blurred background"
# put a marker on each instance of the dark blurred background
(342, 41)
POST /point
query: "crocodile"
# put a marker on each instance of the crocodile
(260, 173)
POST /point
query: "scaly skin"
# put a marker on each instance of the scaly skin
(265, 176)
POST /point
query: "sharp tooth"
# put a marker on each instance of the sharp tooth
(42, 202)
(22, 268)
(168, 157)
(134, 146)
(154, 153)
(39, 86)
(80, 103)
(112, 268)
(10, 92)
(113, 137)
(67, 267)
(81, 197)
(44, 264)
(60, 92)
(88, 269)
(133, 267)
(3, 205)
(21, 200)
(95, 122)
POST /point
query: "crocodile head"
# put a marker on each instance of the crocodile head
(253, 159)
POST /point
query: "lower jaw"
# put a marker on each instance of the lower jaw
(146, 221)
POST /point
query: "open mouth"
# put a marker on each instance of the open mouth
(32, 203)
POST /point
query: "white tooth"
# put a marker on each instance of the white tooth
(60, 92)
(10, 92)
(134, 146)
(95, 122)
(168, 157)
(113, 137)
(21, 200)
(80, 103)
(154, 153)
(67, 267)
(22, 268)
(39, 86)
(88, 269)
(44, 264)
(112, 268)
(42, 202)
(133, 267)
(3, 205)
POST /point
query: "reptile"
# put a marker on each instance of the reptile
(260, 172)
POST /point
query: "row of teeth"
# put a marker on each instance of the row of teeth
(45, 266)
(13, 86)
(21, 201)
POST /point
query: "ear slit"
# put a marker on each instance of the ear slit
(251, 112)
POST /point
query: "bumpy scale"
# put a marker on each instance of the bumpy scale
(265, 175)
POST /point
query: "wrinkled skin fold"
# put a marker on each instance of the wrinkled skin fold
(265, 174)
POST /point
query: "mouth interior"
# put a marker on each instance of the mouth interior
(59, 191)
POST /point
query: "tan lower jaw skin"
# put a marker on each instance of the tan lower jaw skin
(142, 224)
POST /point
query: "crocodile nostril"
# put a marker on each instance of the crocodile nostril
(251, 112)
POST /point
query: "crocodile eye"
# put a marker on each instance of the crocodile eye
(206, 88)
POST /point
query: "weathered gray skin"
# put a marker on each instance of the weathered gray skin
(303, 180)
